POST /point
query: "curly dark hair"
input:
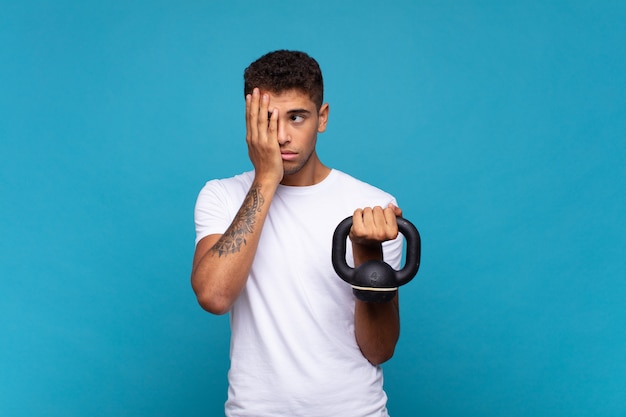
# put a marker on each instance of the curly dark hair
(283, 70)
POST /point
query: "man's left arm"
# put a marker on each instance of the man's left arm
(377, 325)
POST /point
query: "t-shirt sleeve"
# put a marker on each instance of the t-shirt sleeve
(392, 250)
(212, 214)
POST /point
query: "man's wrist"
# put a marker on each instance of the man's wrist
(364, 252)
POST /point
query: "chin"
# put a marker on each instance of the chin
(291, 170)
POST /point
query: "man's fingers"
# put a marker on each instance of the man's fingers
(397, 210)
(261, 121)
(253, 115)
(357, 221)
(384, 225)
(272, 127)
(368, 218)
(262, 114)
(379, 217)
(391, 224)
(248, 103)
(375, 223)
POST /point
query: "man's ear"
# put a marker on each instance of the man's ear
(323, 117)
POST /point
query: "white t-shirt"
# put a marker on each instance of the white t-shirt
(293, 348)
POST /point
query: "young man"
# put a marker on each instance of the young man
(301, 344)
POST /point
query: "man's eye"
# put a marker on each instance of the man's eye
(297, 118)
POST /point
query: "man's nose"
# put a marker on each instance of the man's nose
(283, 133)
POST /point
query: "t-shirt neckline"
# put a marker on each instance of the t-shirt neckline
(308, 189)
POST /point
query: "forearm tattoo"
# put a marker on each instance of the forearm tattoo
(243, 224)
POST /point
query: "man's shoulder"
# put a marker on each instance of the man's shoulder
(236, 181)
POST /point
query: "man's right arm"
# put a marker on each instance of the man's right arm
(221, 263)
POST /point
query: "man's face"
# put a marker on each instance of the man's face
(299, 122)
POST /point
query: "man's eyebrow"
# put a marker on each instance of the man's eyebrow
(293, 111)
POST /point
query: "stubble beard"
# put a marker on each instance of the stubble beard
(299, 165)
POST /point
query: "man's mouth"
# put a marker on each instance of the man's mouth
(288, 155)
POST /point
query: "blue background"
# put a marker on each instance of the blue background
(499, 126)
